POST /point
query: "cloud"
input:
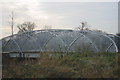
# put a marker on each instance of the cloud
(60, 14)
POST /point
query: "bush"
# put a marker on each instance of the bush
(73, 65)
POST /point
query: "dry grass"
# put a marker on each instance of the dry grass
(73, 65)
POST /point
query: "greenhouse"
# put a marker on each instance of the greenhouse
(58, 40)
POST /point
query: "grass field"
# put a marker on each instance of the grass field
(72, 65)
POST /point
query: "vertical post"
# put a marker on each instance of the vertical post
(118, 26)
(119, 17)
(12, 23)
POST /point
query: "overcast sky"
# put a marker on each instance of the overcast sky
(61, 15)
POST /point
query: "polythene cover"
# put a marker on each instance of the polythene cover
(60, 41)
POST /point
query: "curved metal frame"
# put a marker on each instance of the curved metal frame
(85, 37)
(73, 43)
(39, 32)
(54, 35)
(47, 41)
(8, 40)
(6, 43)
(11, 38)
(109, 47)
(99, 38)
(109, 39)
(113, 42)
(58, 36)
(17, 46)
(30, 38)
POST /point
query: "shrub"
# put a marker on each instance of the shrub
(72, 65)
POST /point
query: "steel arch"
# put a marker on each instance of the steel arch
(85, 37)
(54, 35)
(109, 39)
(31, 38)
(15, 43)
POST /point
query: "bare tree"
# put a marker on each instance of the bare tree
(26, 26)
(83, 26)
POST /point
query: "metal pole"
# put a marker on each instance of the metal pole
(12, 23)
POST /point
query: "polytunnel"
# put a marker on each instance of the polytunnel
(57, 40)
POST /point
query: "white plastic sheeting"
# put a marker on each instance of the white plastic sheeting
(54, 40)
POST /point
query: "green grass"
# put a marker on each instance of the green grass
(73, 65)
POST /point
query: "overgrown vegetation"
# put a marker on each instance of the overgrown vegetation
(72, 65)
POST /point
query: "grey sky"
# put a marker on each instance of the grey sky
(61, 15)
